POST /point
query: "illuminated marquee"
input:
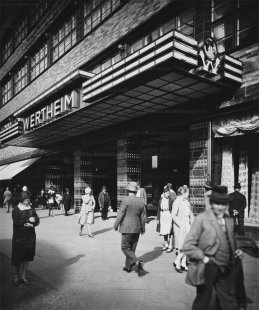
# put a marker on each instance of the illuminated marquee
(51, 111)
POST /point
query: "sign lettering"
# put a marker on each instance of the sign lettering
(58, 107)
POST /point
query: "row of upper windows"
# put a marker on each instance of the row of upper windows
(23, 26)
(231, 24)
(67, 35)
(229, 30)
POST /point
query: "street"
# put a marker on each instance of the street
(73, 272)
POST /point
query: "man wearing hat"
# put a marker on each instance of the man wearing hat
(131, 219)
(211, 249)
(104, 202)
(237, 205)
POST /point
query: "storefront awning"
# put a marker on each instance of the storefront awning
(7, 172)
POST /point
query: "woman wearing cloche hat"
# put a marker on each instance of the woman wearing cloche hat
(25, 219)
(86, 215)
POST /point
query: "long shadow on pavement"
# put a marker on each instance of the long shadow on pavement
(98, 232)
(152, 255)
(41, 294)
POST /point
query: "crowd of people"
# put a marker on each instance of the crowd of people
(206, 246)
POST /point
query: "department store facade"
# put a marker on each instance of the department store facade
(105, 92)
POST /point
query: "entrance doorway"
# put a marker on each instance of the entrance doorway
(165, 159)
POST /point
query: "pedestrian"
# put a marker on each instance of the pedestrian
(208, 188)
(26, 190)
(172, 197)
(16, 196)
(7, 199)
(164, 219)
(42, 199)
(237, 205)
(141, 194)
(130, 220)
(67, 200)
(104, 202)
(25, 219)
(211, 248)
(51, 200)
(86, 215)
(182, 217)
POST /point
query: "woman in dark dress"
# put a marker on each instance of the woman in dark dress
(24, 238)
(67, 199)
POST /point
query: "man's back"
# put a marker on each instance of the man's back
(131, 216)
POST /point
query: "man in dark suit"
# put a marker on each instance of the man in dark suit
(131, 219)
(237, 205)
(104, 202)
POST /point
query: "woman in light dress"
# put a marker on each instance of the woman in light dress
(86, 215)
(164, 218)
(182, 217)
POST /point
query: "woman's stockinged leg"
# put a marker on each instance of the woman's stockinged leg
(24, 269)
(80, 229)
(89, 230)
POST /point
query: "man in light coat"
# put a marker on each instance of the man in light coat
(131, 222)
(211, 249)
(7, 199)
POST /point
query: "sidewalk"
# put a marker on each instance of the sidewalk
(73, 272)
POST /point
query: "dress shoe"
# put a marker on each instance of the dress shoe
(184, 268)
(140, 269)
(26, 281)
(178, 269)
(169, 250)
(127, 269)
(90, 235)
(165, 248)
(80, 233)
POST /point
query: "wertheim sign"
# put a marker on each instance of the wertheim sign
(51, 111)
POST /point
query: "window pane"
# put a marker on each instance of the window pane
(96, 17)
(170, 25)
(249, 35)
(222, 8)
(247, 19)
(136, 46)
(115, 4)
(187, 22)
(87, 25)
(106, 64)
(106, 8)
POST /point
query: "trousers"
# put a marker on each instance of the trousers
(224, 285)
(128, 245)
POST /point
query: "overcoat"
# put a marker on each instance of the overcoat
(182, 217)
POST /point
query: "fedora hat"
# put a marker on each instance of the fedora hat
(132, 187)
(237, 185)
(208, 185)
(219, 195)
